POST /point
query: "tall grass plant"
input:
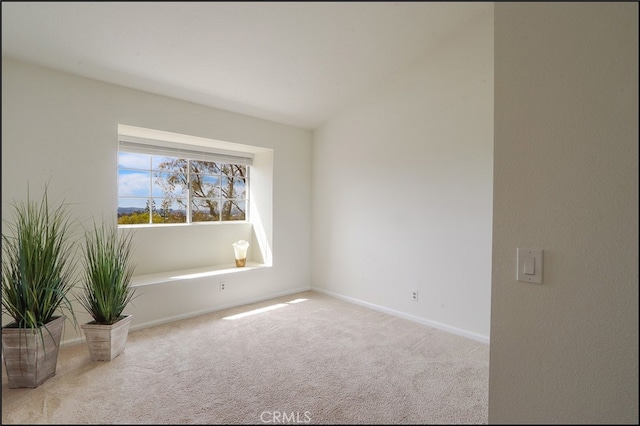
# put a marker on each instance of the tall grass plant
(38, 263)
(108, 268)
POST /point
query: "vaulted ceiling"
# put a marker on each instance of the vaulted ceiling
(297, 63)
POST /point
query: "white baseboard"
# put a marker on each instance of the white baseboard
(454, 330)
(434, 324)
(79, 339)
(220, 308)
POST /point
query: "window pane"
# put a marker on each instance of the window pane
(239, 188)
(204, 210)
(169, 164)
(205, 186)
(130, 160)
(233, 170)
(206, 167)
(169, 185)
(133, 210)
(240, 171)
(233, 187)
(233, 210)
(133, 183)
(169, 210)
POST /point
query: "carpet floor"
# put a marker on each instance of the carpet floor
(301, 359)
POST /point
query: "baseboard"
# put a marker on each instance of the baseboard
(79, 339)
(453, 330)
(220, 308)
(434, 324)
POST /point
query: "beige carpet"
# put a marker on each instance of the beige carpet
(314, 360)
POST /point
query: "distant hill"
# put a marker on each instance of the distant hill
(125, 211)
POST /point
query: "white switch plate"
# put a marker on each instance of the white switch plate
(529, 265)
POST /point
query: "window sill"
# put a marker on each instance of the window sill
(188, 274)
(170, 225)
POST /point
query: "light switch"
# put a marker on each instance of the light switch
(529, 265)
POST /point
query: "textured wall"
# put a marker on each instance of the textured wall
(566, 181)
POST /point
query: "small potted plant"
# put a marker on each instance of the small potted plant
(107, 290)
(37, 275)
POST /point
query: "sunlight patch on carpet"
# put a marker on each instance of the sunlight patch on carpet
(261, 310)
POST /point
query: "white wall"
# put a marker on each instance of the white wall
(61, 128)
(566, 181)
(402, 190)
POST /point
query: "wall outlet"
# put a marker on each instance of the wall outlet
(414, 295)
(223, 285)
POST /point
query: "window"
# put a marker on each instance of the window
(161, 182)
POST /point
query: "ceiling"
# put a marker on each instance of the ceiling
(296, 63)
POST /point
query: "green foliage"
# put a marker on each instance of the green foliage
(108, 269)
(133, 218)
(37, 263)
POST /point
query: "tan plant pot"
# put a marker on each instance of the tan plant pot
(31, 355)
(107, 341)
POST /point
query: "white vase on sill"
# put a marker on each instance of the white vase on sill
(240, 251)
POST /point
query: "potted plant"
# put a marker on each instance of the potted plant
(107, 290)
(37, 275)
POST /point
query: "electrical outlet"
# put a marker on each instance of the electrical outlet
(222, 285)
(414, 295)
